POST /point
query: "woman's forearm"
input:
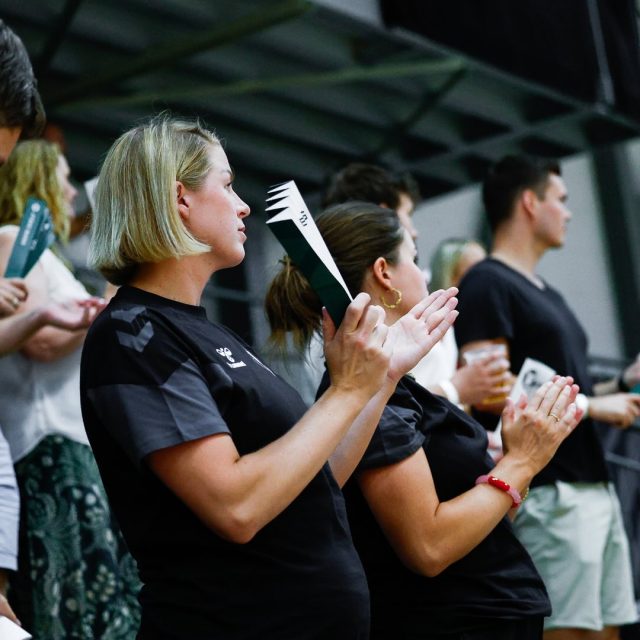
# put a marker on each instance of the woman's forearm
(236, 495)
(50, 343)
(16, 330)
(351, 448)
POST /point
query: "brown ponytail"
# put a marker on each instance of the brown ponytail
(292, 306)
(357, 234)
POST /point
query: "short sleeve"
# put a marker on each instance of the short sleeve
(154, 395)
(397, 436)
(484, 308)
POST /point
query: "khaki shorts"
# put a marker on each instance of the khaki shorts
(575, 535)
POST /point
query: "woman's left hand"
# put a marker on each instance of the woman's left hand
(74, 314)
(532, 430)
(416, 332)
(13, 292)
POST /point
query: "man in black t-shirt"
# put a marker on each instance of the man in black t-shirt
(571, 523)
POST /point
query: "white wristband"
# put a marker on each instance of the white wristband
(450, 391)
(582, 402)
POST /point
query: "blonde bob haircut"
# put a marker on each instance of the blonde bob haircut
(31, 171)
(136, 219)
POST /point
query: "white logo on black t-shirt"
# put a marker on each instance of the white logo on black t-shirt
(225, 352)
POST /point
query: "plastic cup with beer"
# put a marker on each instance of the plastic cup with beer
(481, 353)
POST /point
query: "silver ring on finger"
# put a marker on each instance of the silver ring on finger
(554, 416)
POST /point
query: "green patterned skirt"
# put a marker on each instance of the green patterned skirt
(76, 580)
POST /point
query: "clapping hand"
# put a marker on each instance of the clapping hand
(414, 335)
(357, 352)
(533, 430)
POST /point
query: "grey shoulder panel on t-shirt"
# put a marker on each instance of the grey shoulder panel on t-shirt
(146, 418)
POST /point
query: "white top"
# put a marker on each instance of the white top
(9, 510)
(439, 364)
(38, 399)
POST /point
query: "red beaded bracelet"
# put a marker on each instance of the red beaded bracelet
(503, 486)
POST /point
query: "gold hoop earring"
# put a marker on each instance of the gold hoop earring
(393, 305)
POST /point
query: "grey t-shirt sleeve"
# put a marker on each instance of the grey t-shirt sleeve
(147, 415)
(397, 436)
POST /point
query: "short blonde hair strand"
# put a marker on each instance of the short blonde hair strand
(136, 219)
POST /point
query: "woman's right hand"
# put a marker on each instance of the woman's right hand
(13, 292)
(532, 431)
(358, 352)
(416, 332)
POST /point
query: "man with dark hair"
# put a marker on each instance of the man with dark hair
(21, 111)
(371, 183)
(571, 523)
(506, 179)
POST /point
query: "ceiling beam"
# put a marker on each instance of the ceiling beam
(170, 53)
(53, 42)
(430, 100)
(486, 147)
(345, 75)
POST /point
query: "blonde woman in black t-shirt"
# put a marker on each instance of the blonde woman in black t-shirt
(427, 506)
(214, 466)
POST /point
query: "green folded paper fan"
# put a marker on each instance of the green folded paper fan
(297, 232)
(34, 236)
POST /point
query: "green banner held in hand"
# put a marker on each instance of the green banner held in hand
(34, 236)
(297, 232)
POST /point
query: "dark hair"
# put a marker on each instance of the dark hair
(406, 183)
(20, 104)
(370, 183)
(357, 234)
(508, 178)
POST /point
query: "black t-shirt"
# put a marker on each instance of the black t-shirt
(156, 373)
(497, 301)
(496, 580)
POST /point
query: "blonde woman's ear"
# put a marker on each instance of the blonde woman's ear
(182, 201)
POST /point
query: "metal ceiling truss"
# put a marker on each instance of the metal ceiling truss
(310, 86)
(170, 54)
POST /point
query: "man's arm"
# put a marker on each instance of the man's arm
(617, 409)
(611, 402)
(623, 383)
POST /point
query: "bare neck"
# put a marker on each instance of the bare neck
(518, 250)
(182, 280)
